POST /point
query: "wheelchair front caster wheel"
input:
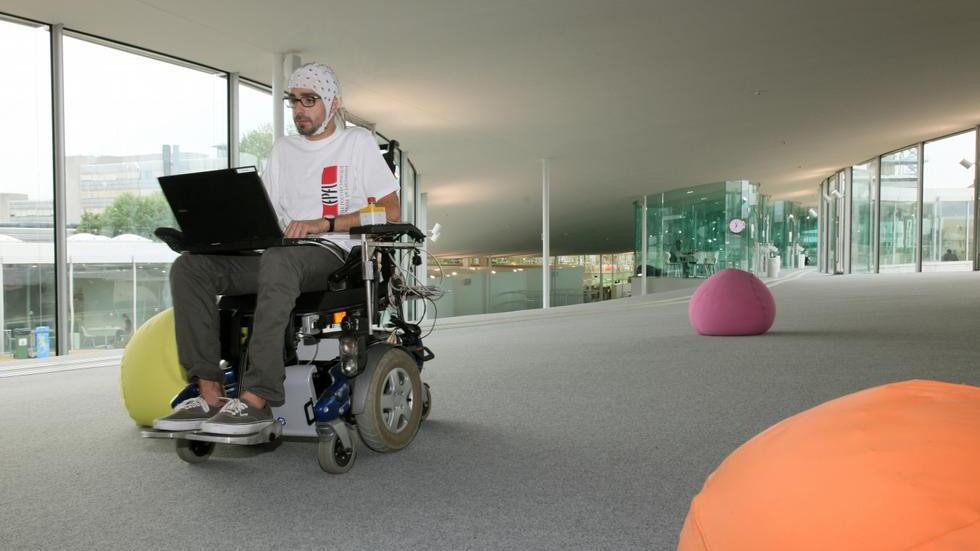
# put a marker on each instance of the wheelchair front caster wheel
(333, 457)
(194, 451)
(426, 401)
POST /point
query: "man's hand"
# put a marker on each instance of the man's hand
(298, 229)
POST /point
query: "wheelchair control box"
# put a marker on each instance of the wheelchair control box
(294, 414)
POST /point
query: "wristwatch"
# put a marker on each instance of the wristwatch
(330, 223)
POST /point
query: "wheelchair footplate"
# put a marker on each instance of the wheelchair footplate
(268, 434)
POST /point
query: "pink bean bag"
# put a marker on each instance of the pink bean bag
(732, 302)
(891, 468)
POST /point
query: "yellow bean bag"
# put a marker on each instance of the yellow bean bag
(891, 468)
(150, 374)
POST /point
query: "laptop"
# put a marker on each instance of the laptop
(222, 211)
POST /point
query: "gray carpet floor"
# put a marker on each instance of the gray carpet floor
(586, 427)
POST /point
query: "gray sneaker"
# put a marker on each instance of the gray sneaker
(188, 415)
(237, 417)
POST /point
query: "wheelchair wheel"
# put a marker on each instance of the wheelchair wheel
(194, 451)
(393, 407)
(426, 401)
(332, 456)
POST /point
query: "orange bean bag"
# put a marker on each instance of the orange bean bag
(895, 467)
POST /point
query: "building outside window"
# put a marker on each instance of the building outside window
(27, 299)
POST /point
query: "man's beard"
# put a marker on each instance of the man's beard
(306, 131)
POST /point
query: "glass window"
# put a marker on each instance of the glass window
(26, 191)
(255, 125)
(690, 235)
(862, 204)
(128, 120)
(947, 197)
(809, 231)
(838, 193)
(899, 210)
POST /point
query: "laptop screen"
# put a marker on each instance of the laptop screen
(221, 207)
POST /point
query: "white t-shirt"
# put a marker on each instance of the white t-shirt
(309, 179)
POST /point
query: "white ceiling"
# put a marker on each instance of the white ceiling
(625, 97)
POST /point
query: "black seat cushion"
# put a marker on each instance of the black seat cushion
(346, 290)
(307, 303)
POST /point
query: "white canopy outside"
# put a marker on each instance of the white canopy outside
(88, 248)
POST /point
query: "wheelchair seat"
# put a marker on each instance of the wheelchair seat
(346, 290)
(325, 301)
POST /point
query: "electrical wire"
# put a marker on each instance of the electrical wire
(427, 293)
(315, 352)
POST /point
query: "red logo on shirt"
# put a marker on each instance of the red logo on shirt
(328, 190)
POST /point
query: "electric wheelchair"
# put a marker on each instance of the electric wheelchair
(371, 391)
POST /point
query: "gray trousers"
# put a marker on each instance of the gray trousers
(278, 276)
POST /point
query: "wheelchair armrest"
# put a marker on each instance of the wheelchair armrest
(353, 261)
(172, 237)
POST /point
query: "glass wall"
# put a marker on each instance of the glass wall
(947, 202)
(809, 235)
(479, 285)
(863, 187)
(176, 125)
(693, 232)
(255, 124)
(130, 117)
(787, 220)
(898, 228)
(911, 209)
(27, 299)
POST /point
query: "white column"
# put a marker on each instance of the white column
(975, 247)
(278, 91)
(920, 159)
(283, 66)
(545, 235)
(601, 295)
(62, 299)
(234, 155)
(135, 325)
(644, 245)
(71, 303)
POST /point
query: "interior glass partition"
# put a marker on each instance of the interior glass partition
(809, 235)
(898, 226)
(27, 306)
(863, 183)
(788, 224)
(693, 232)
(947, 196)
(832, 223)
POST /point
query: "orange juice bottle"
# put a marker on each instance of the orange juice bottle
(373, 213)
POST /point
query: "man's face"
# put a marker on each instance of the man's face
(307, 119)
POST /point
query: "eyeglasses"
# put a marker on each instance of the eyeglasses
(305, 101)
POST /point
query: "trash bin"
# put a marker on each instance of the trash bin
(22, 343)
(42, 341)
(772, 267)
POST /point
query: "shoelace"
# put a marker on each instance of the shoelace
(235, 407)
(194, 403)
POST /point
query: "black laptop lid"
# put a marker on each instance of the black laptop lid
(222, 207)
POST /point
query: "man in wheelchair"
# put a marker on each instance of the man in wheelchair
(317, 181)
